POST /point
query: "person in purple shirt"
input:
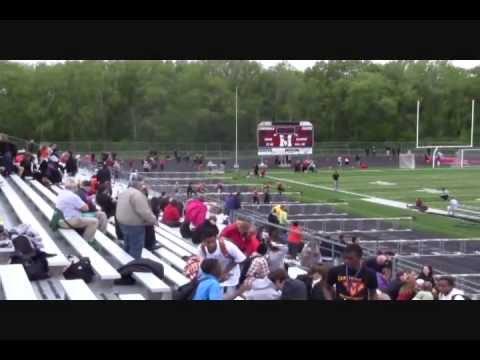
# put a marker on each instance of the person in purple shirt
(384, 277)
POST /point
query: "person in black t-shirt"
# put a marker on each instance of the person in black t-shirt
(352, 280)
(104, 175)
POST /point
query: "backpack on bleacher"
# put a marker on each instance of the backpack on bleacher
(34, 261)
(79, 269)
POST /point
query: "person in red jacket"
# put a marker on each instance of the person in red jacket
(238, 234)
(171, 215)
(295, 240)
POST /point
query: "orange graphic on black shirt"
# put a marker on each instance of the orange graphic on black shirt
(354, 287)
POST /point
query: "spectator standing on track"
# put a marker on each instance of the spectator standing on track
(339, 161)
(347, 161)
(133, 214)
(352, 280)
(374, 150)
(298, 166)
(447, 290)
(336, 177)
(357, 160)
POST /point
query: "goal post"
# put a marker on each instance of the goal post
(460, 156)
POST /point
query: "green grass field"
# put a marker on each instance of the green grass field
(399, 185)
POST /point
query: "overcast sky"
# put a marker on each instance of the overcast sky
(299, 64)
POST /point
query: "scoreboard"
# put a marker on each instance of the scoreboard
(285, 139)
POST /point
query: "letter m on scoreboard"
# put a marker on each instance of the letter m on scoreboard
(281, 139)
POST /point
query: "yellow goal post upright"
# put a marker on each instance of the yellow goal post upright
(437, 147)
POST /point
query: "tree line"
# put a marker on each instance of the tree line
(183, 101)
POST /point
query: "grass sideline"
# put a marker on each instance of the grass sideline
(462, 183)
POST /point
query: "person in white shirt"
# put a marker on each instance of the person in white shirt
(453, 206)
(72, 208)
(339, 161)
(447, 291)
(226, 252)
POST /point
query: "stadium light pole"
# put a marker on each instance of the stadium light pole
(418, 120)
(236, 166)
(473, 122)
